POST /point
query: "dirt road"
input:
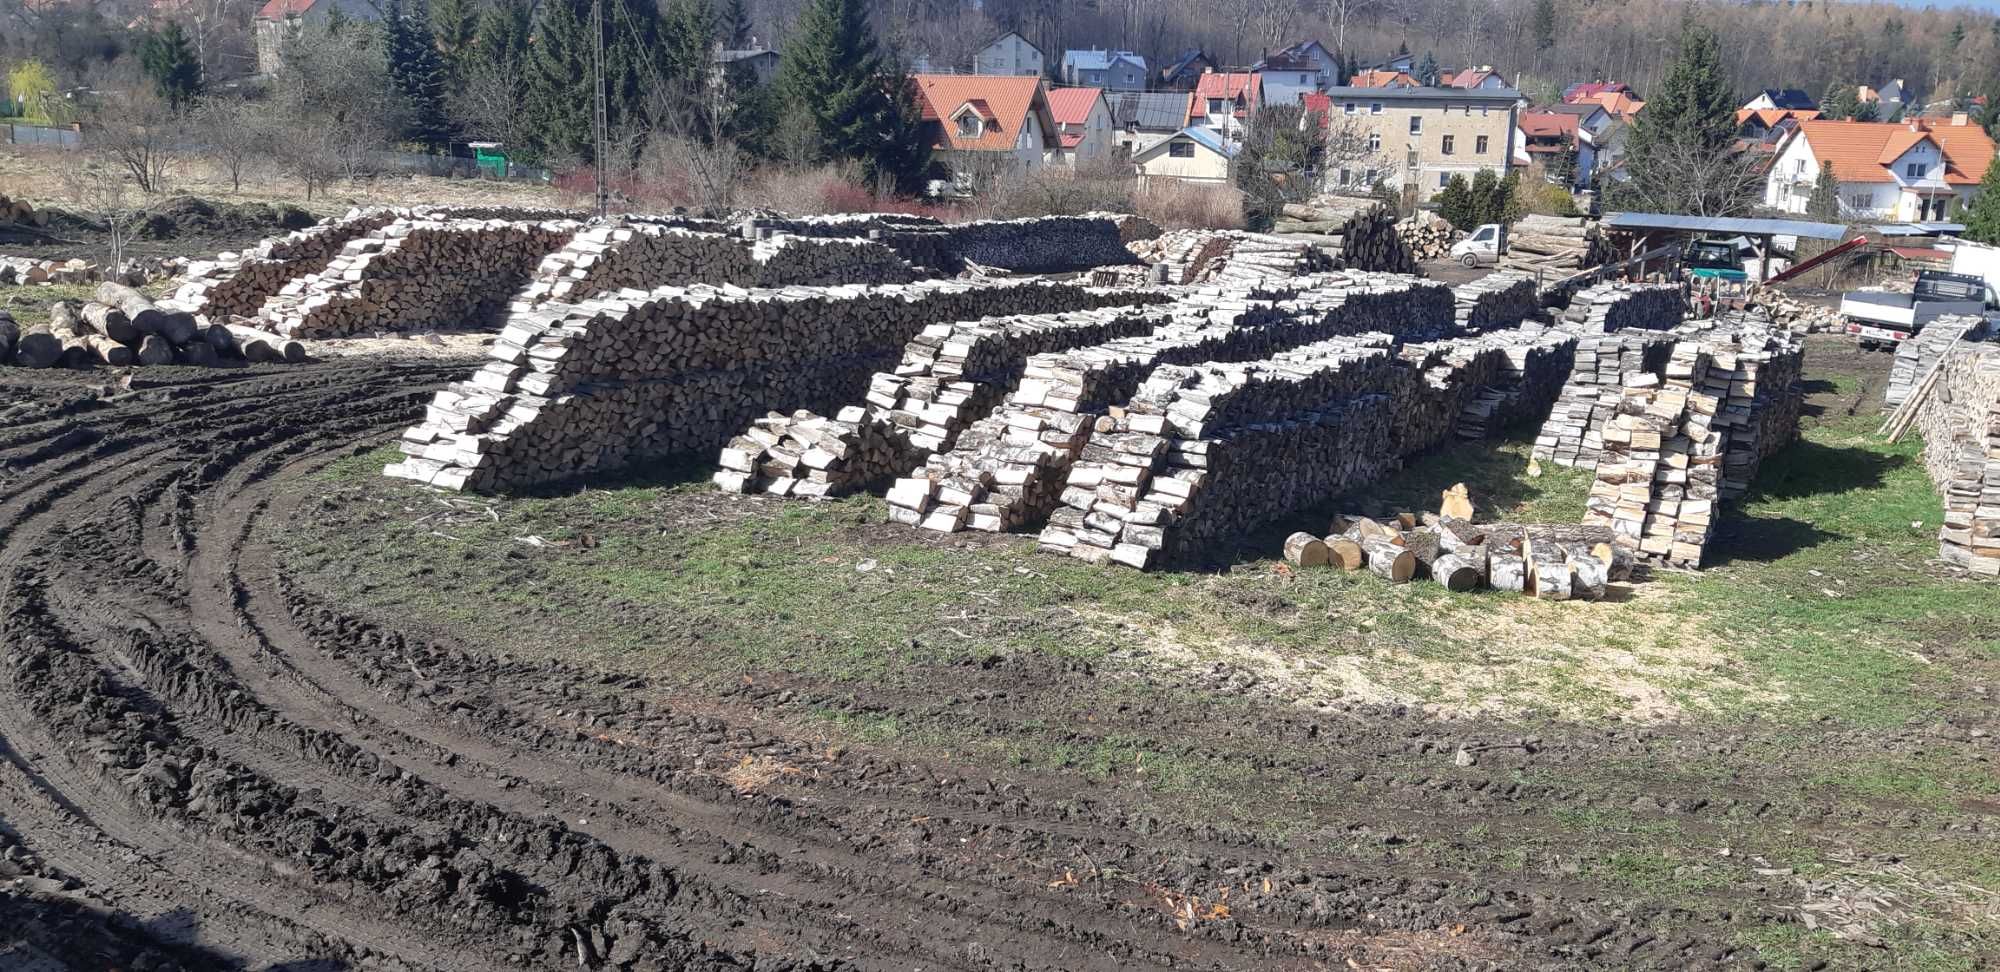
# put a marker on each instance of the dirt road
(202, 766)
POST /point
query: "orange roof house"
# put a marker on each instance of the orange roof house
(1620, 104)
(1865, 151)
(985, 113)
(1375, 78)
(1238, 90)
(1911, 170)
(1072, 109)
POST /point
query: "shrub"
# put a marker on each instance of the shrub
(1189, 205)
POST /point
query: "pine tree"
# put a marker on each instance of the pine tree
(558, 87)
(1824, 203)
(1486, 204)
(687, 41)
(860, 108)
(1545, 24)
(1455, 204)
(1427, 71)
(169, 60)
(1866, 111)
(454, 27)
(1982, 218)
(418, 73)
(1680, 156)
(1838, 102)
(735, 24)
(1694, 105)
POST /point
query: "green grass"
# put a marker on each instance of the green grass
(29, 304)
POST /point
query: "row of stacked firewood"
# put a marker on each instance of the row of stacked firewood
(1619, 306)
(124, 327)
(1958, 413)
(617, 255)
(1546, 561)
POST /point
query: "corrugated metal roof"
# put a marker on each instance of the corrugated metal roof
(1919, 229)
(1726, 224)
(1157, 110)
(1210, 139)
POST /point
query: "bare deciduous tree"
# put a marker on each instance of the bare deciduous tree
(139, 131)
(231, 131)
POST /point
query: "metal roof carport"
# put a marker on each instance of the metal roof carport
(1647, 225)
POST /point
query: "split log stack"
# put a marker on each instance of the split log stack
(1007, 469)
(1040, 244)
(1571, 436)
(575, 388)
(1625, 306)
(1918, 356)
(1227, 257)
(1497, 300)
(1556, 244)
(416, 274)
(1798, 315)
(1358, 232)
(1960, 423)
(237, 284)
(639, 255)
(1754, 374)
(1538, 360)
(26, 271)
(1427, 235)
(951, 375)
(1658, 481)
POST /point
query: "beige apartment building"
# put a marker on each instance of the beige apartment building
(1416, 139)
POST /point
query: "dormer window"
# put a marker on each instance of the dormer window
(971, 119)
(1915, 170)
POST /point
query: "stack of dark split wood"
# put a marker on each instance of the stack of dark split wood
(1427, 235)
(750, 223)
(1555, 244)
(1550, 562)
(1227, 257)
(951, 375)
(638, 255)
(1358, 232)
(416, 274)
(1538, 361)
(1659, 480)
(1625, 306)
(573, 388)
(124, 327)
(1041, 244)
(1495, 301)
(1572, 434)
(237, 284)
(1917, 357)
(1959, 418)
(1007, 469)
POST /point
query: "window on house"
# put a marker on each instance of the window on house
(1799, 166)
(1416, 124)
(1181, 149)
(1410, 158)
(1858, 200)
(1915, 170)
(1479, 145)
(1348, 107)
(1375, 108)
(1372, 176)
(1448, 144)
(1444, 179)
(1217, 106)
(968, 125)
(1374, 142)
(1346, 176)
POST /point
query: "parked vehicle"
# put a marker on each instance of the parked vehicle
(1880, 319)
(1715, 260)
(1482, 248)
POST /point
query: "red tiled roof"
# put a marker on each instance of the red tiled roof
(1373, 78)
(280, 9)
(1222, 85)
(1004, 101)
(1071, 106)
(1860, 151)
(1071, 140)
(1548, 123)
(1770, 117)
(1468, 78)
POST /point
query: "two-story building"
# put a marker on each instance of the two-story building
(987, 127)
(1110, 70)
(1083, 121)
(1903, 171)
(1306, 64)
(1416, 139)
(1144, 119)
(1009, 53)
(1185, 70)
(1223, 100)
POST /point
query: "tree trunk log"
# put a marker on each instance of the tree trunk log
(1305, 550)
(154, 350)
(80, 344)
(148, 317)
(1455, 572)
(1344, 553)
(110, 322)
(1389, 561)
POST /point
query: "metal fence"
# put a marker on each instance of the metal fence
(18, 134)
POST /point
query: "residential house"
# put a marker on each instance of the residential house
(1788, 99)
(1146, 118)
(1416, 139)
(758, 65)
(1194, 154)
(1769, 124)
(1010, 53)
(1185, 70)
(1589, 90)
(279, 19)
(1224, 101)
(1558, 142)
(1083, 120)
(987, 127)
(1282, 88)
(1111, 70)
(1402, 63)
(1603, 134)
(1905, 171)
(1305, 64)
(1482, 78)
(1889, 99)
(1379, 78)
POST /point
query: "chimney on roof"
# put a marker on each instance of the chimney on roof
(1958, 118)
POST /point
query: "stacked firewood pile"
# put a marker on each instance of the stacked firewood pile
(951, 375)
(1040, 244)
(1008, 468)
(573, 388)
(1538, 361)
(1658, 480)
(1358, 232)
(1960, 423)
(1495, 301)
(788, 261)
(1918, 356)
(1619, 306)
(1799, 315)
(1555, 243)
(237, 284)
(639, 255)
(853, 226)
(27, 271)
(124, 327)
(1427, 235)
(1227, 257)
(415, 274)
(1602, 363)
(1545, 561)
(1753, 375)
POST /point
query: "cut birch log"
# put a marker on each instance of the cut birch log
(197, 352)
(219, 338)
(155, 350)
(80, 344)
(37, 348)
(1390, 561)
(1588, 574)
(264, 346)
(1548, 571)
(1455, 572)
(1305, 550)
(176, 326)
(1344, 553)
(1507, 571)
(110, 322)
(1456, 503)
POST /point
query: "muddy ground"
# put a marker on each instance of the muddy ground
(186, 226)
(260, 708)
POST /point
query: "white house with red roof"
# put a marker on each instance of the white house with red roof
(278, 19)
(1224, 101)
(985, 127)
(1083, 120)
(1904, 171)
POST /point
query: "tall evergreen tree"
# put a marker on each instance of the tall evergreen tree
(454, 28)
(1455, 204)
(1824, 203)
(1680, 156)
(1427, 71)
(1694, 105)
(687, 41)
(1545, 24)
(418, 73)
(168, 58)
(735, 26)
(1982, 218)
(559, 84)
(1837, 104)
(860, 108)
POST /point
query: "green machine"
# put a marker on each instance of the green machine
(489, 157)
(1715, 260)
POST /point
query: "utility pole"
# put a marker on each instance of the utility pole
(600, 124)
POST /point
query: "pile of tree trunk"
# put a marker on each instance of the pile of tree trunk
(1555, 243)
(123, 327)
(574, 388)
(1228, 257)
(26, 271)
(1621, 306)
(951, 375)
(1495, 301)
(1917, 357)
(1359, 233)
(1601, 365)
(1545, 561)
(1427, 235)
(420, 274)
(1959, 418)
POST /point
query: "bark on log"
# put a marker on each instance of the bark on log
(110, 322)
(155, 350)
(1507, 571)
(1344, 553)
(197, 352)
(1389, 561)
(264, 346)
(37, 348)
(176, 326)
(1455, 572)
(80, 344)
(1588, 573)
(219, 338)
(10, 334)
(1305, 550)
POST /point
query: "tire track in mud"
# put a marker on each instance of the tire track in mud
(185, 727)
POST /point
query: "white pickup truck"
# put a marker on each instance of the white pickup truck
(1482, 248)
(1881, 319)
